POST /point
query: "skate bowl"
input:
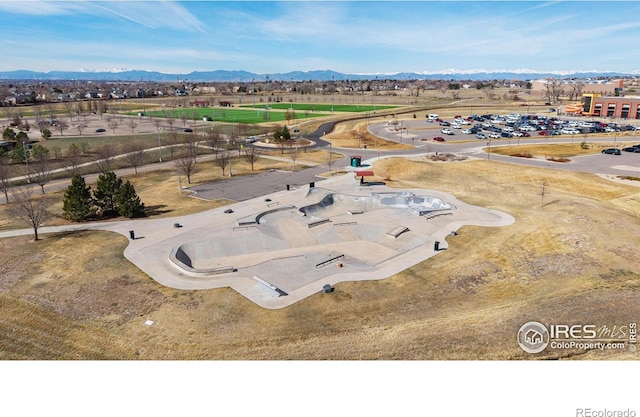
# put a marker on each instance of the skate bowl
(310, 231)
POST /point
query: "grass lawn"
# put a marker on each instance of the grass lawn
(315, 107)
(230, 115)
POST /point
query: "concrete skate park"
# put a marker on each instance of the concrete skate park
(280, 248)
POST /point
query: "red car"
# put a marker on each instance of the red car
(525, 134)
(439, 139)
(543, 133)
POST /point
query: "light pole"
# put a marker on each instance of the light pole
(159, 144)
(26, 160)
(332, 87)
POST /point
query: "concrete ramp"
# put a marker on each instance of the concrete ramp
(397, 231)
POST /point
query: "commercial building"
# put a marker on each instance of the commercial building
(614, 107)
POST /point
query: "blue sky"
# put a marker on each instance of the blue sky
(372, 37)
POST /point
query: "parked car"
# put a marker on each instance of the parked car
(443, 123)
(439, 139)
(466, 131)
(612, 151)
(100, 130)
(543, 133)
(446, 131)
(188, 130)
(526, 134)
(494, 136)
(633, 149)
(506, 134)
(481, 136)
(518, 134)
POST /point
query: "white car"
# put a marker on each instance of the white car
(494, 136)
(518, 134)
(466, 131)
(446, 131)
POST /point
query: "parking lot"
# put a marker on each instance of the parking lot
(507, 126)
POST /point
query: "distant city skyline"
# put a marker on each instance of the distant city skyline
(358, 37)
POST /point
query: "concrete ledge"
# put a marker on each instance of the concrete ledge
(276, 291)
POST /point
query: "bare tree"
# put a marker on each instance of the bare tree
(62, 126)
(170, 121)
(113, 122)
(294, 155)
(191, 144)
(213, 138)
(576, 90)
(174, 141)
(134, 154)
(132, 124)
(70, 110)
(187, 165)
(289, 115)
(51, 109)
(543, 192)
(106, 153)
(80, 126)
(41, 166)
(29, 209)
(251, 154)
(74, 158)
(4, 177)
(222, 160)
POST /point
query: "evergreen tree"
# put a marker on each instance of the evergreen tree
(129, 204)
(106, 193)
(77, 204)
(9, 134)
(18, 154)
(282, 134)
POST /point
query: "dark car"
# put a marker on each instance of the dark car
(525, 134)
(100, 130)
(633, 149)
(189, 130)
(443, 123)
(439, 139)
(612, 151)
(506, 134)
(228, 211)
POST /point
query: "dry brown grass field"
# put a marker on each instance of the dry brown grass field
(569, 258)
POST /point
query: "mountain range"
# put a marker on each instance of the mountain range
(321, 75)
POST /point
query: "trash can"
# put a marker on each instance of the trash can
(312, 185)
(132, 235)
(288, 188)
(436, 246)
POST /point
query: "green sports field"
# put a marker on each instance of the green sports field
(314, 107)
(231, 115)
